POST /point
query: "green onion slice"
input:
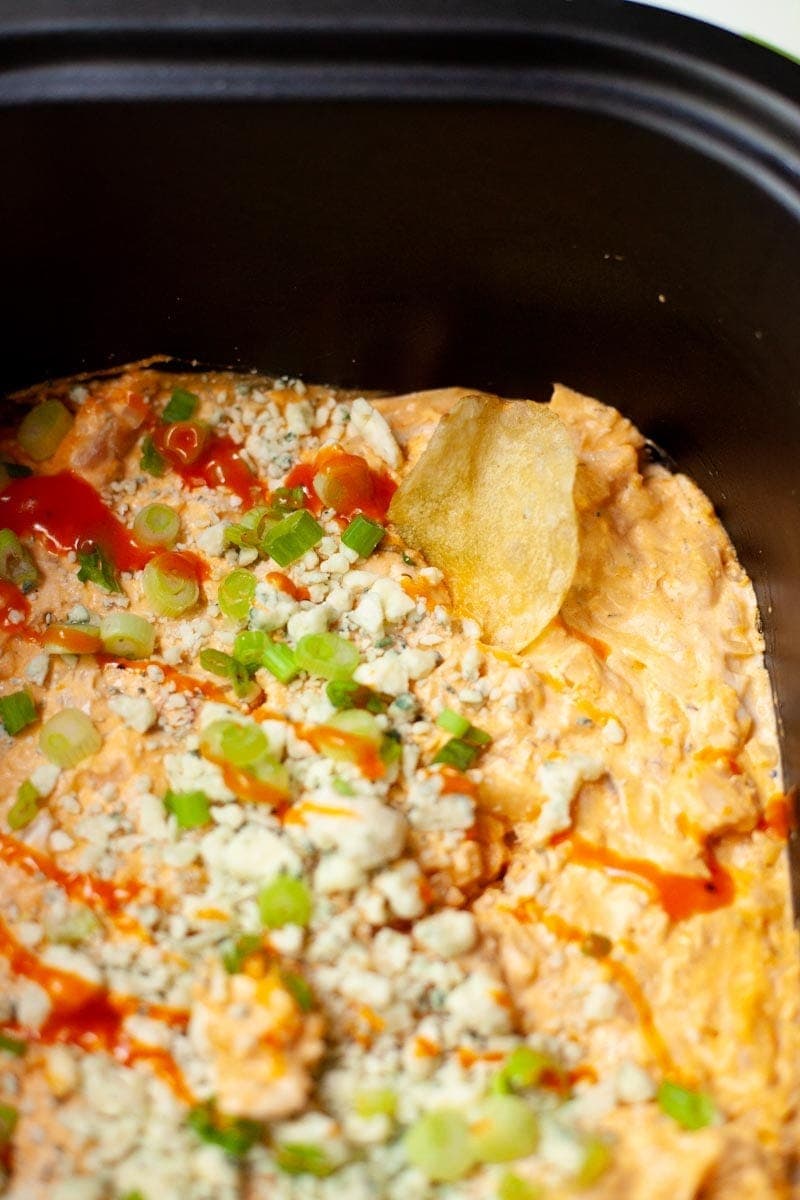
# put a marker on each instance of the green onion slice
(157, 525)
(692, 1110)
(285, 900)
(16, 562)
(506, 1128)
(596, 1160)
(374, 1102)
(68, 737)
(452, 722)
(456, 753)
(344, 693)
(291, 538)
(363, 535)
(300, 990)
(439, 1145)
(280, 660)
(9, 1115)
(236, 594)
(358, 723)
(151, 461)
(237, 952)
(25, 807)
(17, 711)
(191, 809)
(288, 499)
(523, 1069)
(252, 528)
(43, 429)
(233, 742)
(249, 647)
(217, 662)
(514, 1187)
(328, 655)
(302, 1158)
(235, 1135)
(96, 567)
(12, 1045)
(181, 406)
(170, 584)
(127, 635)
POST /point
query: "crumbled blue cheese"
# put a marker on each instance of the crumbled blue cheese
(188, 772)
(446, 934)
(137, 712)
(560, 779)
(37, 668)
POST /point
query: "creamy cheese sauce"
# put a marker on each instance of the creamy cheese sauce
(606, 883)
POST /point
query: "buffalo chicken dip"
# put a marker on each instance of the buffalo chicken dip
(387, 811)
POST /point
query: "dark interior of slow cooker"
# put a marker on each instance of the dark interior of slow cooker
(403, 246)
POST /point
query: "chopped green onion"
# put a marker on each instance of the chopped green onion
(362, 535)
(63, 637)
(439, 1145)
(301, 1158)
(514, 1187)
(127, 635)
(16, 562)
(170, 584)
(522, 1069)
(44, 428)
(25, 807)
(151, 461)
(236, 953)
(68, 737)
(342, 786)
(249, 647)
(285, 901)
(96, 567)
(292, 537)
(375, 1102)
(181, 406)
(328, 655)
(391, 748)
(219, 663)
(190, 809)
(251, 529)
(596, 1161)
(280, 660)
(267, 770)
(300, 990)
(236, 594)
(235, 1135)
(77, 927)
(477, 737)
(241, 745)
(8, 1120)
(452, 722)
(596, 945)
(286, 499)
(692, 1110)
(16, 470)
(456, 753)
(135, 1195)
(17, 711)
(506, 1128)
(12, 1045)
(344, 693)
(359, 723)
(157, 525)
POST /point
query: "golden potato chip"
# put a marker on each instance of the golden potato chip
(490, 504)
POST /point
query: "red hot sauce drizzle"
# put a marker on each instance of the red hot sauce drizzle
(352, 486)
(203, 461)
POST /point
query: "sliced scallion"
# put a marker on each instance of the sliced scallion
(151, 461)
(127, 635)
(217, 662)
(452, 722)
(64, 638)
(280, 660)
(514, 1187)
(300, 990)
(9, 1115)
(271, 773)
(249, 647)
(374, 1102)
(190, 809)
(16, 562)
(17, 711)
(170, 584)
(596, 1160)
(181, 406)
(25, 807)
(506, 1128)
(303, 1158)
(522, 1069)
(68, 737)
(241, 745)
(344, 693)
(288, 499)
(328, 655)
(691, 1109)
(439, 1145)
(236, 953)
(456, 753)
(292, 537)
(96, 567)
(250, 530)
(358, 723)
(285, 900)
(44, 428)
(363, 535)
(157, 525)
(12, 1045)
(236, 594)
(235, 1135)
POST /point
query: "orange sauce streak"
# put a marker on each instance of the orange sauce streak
(467, 1057)
(71, 639)
(601, 649)
(218, 464)
(680, 896)
(456, 781)
(180, 681)
(425, 1048)
(286, 585)
(184, 563)
(528, 910)
(357, 750)
(247, 786)
(354, 486)
(99, 894)
(296, 815)
(777, 817)
(726, 758)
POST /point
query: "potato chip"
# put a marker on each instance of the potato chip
(490, 504)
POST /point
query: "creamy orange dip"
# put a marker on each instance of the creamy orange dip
(250, 947)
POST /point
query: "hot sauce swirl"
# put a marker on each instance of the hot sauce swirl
(350, 484)
(206, 460)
